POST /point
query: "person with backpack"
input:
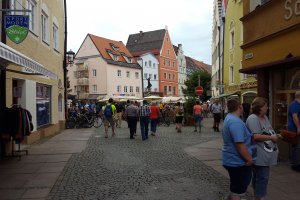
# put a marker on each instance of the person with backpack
(109, 110)
(179, 114)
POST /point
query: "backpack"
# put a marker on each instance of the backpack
(180, 110)
(108, 112)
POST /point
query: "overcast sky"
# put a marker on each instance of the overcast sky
(189, 22)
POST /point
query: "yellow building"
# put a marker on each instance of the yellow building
(33, 69)
(236, 83)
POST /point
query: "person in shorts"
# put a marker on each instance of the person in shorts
(109, 111)
(237, 151)
(216, 109)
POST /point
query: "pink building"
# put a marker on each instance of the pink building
(104, 67)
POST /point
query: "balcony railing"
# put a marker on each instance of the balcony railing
(83, 81)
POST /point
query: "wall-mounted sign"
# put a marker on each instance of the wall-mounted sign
(16, 27)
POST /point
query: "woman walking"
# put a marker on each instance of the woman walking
(154, 117)
(266, 147)
(179, 113)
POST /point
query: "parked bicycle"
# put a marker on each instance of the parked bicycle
(79, 120)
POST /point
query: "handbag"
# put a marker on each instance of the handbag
(289, 136)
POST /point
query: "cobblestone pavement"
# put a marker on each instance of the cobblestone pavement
(122, 169)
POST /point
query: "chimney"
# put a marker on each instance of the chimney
(141, 33)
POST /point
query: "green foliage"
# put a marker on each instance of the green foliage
(193, 81)
(189, 92)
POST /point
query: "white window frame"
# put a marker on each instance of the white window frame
(94, 88)
(128, 74)
(55, 37)
(137, 89)
(118, 88)
(136, 75)
(125, 88)
(31, 5)
(44, 23)
(119, 73)
(131, 89)
(94, 72)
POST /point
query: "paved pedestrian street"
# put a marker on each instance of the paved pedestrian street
(158, 168)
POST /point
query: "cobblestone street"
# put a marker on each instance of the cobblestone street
(158, 168)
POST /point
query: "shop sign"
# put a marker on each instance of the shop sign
(16, 27)
(292, 7)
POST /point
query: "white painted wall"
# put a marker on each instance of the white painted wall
(182, 76)
(28, 99)
(150, 70)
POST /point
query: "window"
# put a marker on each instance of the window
(125, 88)
(150, 64)
(173, 76)
(43, 104)
(131, 89)
(169, 76)
(153, 65)
(165, 89)
(232, 39)
(119, 73)
(165, 75)
(44, 27)
(168, 52)
(170, 88)
(145, 75)
(145, 63)
(154, 76)
(173, 64)
(164, 62)
(136, 75)
(119, 88)
(128, 74)
(137, 89)
(94, 72)
(94, 88)
(55, 37)
(150, 76)
(231, 74)
(169, 63)
(115, 57)
(32, 20)
(174, 90)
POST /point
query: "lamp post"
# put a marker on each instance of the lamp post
(68, 61)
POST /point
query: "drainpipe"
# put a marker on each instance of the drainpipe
(65, 62)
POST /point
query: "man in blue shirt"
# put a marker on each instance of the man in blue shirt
(294, 125)
(237, 150)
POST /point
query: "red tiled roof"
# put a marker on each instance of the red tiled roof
(202, 65)
(105, 45)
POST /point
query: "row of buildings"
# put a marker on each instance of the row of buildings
(256, 52)
(107, 68)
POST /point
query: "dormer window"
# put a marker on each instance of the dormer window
(114, 47)
(114, 56)
(126, 57)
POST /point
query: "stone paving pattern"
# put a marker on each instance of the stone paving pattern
(158, 168)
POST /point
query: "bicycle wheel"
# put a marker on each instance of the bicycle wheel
(97, 122)
(70, 123)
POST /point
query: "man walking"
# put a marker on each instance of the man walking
(109, 110)
(132, 115)
(216, 110)
(144, 113)
(120, 110)
(294, 125)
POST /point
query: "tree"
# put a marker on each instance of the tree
(189, 91)
(193, 81)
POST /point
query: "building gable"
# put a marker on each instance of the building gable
(87, 48)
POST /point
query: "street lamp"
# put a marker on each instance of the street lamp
(70, 56)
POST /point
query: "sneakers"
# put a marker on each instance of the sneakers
(153, 134)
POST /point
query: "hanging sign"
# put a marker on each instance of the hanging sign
(16, 27)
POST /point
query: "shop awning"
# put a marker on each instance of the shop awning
(9, 55)
(224, 95)
(94, 96)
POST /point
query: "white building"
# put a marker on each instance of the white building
(150, 70)
(104, 67)
(182, 76)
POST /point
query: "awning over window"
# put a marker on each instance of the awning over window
(224, 95)
(10, 55)
(93, 96)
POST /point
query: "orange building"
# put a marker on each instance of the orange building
(159, 43)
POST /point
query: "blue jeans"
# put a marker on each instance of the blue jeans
(154, 125)
(260, 180)
(294, 157)
(144, 124)
(197, 119)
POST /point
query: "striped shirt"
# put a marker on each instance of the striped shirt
(144, 111)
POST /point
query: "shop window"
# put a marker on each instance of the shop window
(43, 104)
